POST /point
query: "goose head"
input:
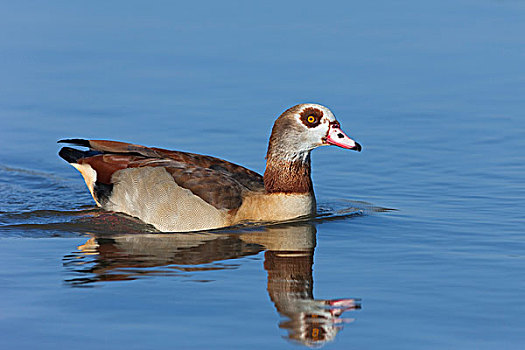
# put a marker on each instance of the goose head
(304, 127)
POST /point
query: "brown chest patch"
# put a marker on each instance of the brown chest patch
(288, 176)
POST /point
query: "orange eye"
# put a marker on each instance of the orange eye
(315, 333)
(311, 119)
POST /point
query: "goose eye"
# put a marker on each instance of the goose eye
(311, 117)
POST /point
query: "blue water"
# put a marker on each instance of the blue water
(434, 91)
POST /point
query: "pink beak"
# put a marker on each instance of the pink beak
(337, 137)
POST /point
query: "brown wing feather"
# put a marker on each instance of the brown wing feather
(219, 190)
(246, 177)
(122, 147)
(106, 164)
(218, 182)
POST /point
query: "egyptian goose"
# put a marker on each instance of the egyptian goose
(178, 191)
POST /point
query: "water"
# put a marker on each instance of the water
(432, 90)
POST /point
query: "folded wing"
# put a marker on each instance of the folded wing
(218, 182)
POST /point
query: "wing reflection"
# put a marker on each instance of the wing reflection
(131, 256)
(288, 260)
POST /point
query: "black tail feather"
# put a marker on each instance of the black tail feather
(102, 192)
(76, 142)
(72, 155)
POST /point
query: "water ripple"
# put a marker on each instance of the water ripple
(46, 223)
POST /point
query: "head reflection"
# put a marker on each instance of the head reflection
(288, 260)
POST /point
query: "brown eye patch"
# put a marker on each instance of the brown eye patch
(311, 117)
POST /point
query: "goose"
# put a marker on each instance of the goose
(180, 192)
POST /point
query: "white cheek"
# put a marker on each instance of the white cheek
(317, 134)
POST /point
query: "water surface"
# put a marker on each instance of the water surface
(432, 90)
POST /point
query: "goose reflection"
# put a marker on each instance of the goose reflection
(288, 260)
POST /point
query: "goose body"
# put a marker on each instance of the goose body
(179, 191)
